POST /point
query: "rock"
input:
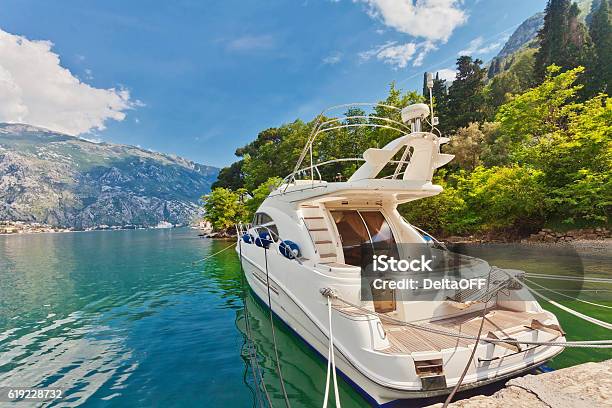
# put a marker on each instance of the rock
(586, 385)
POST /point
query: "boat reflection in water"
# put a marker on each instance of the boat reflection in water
(302, 369)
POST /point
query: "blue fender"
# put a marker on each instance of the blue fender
(289, 249)
(263, 240)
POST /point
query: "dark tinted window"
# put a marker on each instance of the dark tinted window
(357, 228)
(262, 218)
(353, 234)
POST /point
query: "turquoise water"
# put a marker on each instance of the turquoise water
(125, 318)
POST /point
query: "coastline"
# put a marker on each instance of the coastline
(8, 228)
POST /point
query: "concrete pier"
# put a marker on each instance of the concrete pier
(586, 385)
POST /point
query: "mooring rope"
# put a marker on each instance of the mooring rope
(467, 365)
(568, 278)
(331, 361)
(252, 350)
(216, 253)
(278, 366)
(577, 344)
(568, 296)
(590, 319)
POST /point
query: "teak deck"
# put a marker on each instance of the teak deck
(405, 340)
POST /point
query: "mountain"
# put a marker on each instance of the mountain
(62, 180)
(524, 35)
(523, 40)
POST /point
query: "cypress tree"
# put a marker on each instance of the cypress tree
(600, 68)
(440, 95)
(564, 40)
(465, 95)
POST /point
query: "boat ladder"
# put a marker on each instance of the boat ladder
(319, 232)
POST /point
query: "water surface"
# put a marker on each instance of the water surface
(125, 318)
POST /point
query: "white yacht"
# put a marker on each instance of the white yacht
(305, 242)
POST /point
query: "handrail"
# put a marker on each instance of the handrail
(422, 231)
(316, 167)
(364, 117)
(319, 124)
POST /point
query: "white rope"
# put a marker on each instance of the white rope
(590, 319)
(568, 278)
(567, 296)
(216, 253)
(331, 362)
(579, 344)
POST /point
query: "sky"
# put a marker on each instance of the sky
(200, 78)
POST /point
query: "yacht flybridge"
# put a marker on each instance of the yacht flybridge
(304, 252)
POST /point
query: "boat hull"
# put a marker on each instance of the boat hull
(377, 393)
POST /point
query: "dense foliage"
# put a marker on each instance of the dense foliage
(532, 145)
(224, 208)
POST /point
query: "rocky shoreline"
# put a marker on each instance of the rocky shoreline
(548, 235)
(545, 235)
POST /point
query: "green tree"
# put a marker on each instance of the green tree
(224, 208)
(443, 214)
(466, 100)
(260, 194)
(515, 80)
(440, 95)
(569, 141)
(505, 197)
(230, 177)
(541, 110)
(564, 40)
(600, 67)
(273, 153)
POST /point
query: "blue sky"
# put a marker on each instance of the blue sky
(200, 79)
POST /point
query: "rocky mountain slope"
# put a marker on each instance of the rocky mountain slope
(62, 180)
(525, 37)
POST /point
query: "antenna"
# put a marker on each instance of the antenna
(430, 84)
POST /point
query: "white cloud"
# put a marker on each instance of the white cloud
(398, 55)
(426, 47)
(251, 43)
(434, 20)
(36, 89)
(366, 55)
(332, 59)
(447, 73)
(478, 47)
